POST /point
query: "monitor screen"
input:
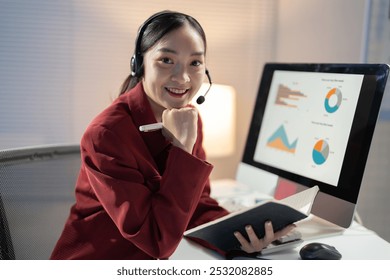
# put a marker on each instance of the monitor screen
(313, 124)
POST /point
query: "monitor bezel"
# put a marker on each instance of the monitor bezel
(364, 121)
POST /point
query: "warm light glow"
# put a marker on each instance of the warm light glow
(219, 119)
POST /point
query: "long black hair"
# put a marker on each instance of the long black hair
(155, 28)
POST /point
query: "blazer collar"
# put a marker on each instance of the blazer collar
(142, 113)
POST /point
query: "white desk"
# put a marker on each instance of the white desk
(354, 243)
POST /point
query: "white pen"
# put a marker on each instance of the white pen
(151, 127)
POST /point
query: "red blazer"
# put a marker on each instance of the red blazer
(136, 193)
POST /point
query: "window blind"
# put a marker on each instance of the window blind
(62, 62)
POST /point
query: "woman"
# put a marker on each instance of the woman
(137, 192)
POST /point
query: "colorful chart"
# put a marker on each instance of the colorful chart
(288, 97)
(279, 140)
(333, 93)
(320, 152)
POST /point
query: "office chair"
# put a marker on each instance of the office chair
(36, 193)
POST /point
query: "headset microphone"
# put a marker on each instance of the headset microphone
(202, 98)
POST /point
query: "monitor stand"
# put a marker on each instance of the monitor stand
(330, 208)
(314, 228)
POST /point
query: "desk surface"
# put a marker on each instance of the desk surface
(354, 243)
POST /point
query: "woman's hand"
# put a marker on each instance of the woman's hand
(254, 244)
(181, 127)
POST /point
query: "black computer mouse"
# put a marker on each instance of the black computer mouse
(319, 251)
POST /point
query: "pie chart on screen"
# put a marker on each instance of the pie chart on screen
(333, 100)
(320, 152)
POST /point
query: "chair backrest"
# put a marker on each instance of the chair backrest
(36, 193)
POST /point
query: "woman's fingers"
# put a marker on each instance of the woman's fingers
(245, 245)
(254, 244)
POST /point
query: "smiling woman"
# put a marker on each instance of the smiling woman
(138, 192)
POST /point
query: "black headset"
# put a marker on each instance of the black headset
(137, 59)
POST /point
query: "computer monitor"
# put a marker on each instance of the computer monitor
(312, 125)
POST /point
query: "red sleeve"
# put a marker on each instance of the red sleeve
(208, 208)
(124, 180)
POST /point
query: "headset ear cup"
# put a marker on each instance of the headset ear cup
(133, 65)
(136, 66)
